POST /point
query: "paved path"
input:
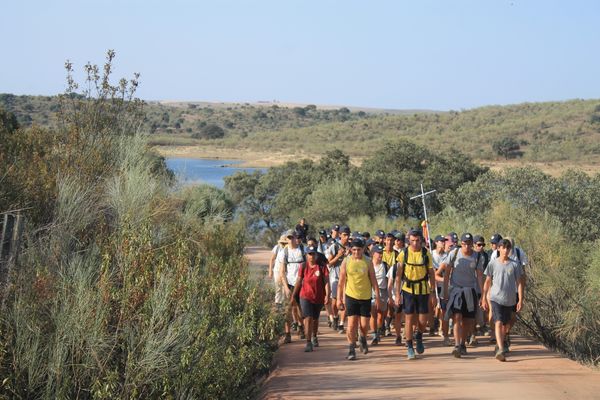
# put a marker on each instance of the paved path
(530, 372)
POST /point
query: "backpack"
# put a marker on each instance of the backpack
(410, 283)
(286, 254)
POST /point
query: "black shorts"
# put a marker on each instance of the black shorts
(464, 309)
(297, 296)
(358, 307)
(310, 310)
(501, 313)
(415, 303)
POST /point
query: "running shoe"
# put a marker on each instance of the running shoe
(506, 346)
(362, 342)
(500, 355)
(473, 341)
(463, 349)
(351, 352)
(294, 326)
(301, 332)
(432, 331)
(456, 352)
(388, 332)
(336, 323)
(329, 323)
(341, 330)
(288, 338)
(446, 341)
(420, 346)
(398, 341)
(375, 340)
(410, 353)
(315, 341)
(308, 348)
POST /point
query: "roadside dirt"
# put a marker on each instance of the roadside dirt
(530, 372)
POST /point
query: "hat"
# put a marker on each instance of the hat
(400, 236)
(322, 232)
(311, 249)
(356, 234)
(345, 229)
(478, 239)
(377, 249)
(357, 243)
(390, 235)
(291, 233)
(283, 239)
(335, 228)
(454, 236)
(415, 232)
(496, 237)
(380, 233)
(366, 234)
(369, 242)
(439, 238)
(466, 237)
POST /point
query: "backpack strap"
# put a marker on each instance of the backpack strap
(518, 254)
(425, 262)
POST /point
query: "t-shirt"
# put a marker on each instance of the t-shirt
(415, 271)
(390, 275)
(334, 270)
(295, 258)
(465, 269)
(505, 278)
(389, 257)
(438, 259)
(358, 284)
(313, 285)
(381, 275)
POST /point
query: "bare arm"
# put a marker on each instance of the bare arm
(374, 284)
(399, 274)
(484, 295)
(342, 283)
(447, 272)
(521, 290)
(271, 263)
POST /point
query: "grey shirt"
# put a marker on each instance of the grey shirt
(505, 278)
(465, 269)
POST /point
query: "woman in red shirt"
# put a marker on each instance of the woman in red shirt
(313, 286)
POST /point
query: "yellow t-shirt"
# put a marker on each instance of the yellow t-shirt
(415, 271)
(389, 258)
(358, 284)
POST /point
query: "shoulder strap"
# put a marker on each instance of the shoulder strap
(518, 254)
(286, 254)
(386, 266)
(453, 259)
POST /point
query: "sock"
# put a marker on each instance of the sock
(409, 343)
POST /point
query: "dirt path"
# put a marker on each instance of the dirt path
(530, 372)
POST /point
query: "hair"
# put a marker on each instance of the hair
(507, 243)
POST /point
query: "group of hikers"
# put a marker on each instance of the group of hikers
(393, 283)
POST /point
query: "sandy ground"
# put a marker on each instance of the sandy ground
(530, 372)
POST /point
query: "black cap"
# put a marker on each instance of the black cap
(454, 236)
(356, 234)
(377, 249)
(400, 236)
(335, 228)
(345, 229)
(322, 232)
(478, 239)
(357, 243)
(439, 238)
(415, 232)
(380, 233)
(466, 237)
(311, 249)
(366, 235)
(369, 242)
(496, 237)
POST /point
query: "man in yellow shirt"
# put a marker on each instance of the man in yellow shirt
(357, 283)
(415, 279)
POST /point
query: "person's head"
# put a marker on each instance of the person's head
(366, 235)
(322, 236)
(504, 248)
(479, 243)
(400, 240)
(311, 241)
(292, 238)
(311, 254)
(335, 232)
(283, 240)
(344, 234)
(466, 243)
(389, 241)
(440, 243)
(357, 246)
(377, 253)
(450, 243)
(302, 221)
(380, 236)
(494, 240)
(415, 239)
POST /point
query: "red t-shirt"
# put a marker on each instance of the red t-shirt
(313, 285)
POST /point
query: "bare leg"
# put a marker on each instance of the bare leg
(352, 328)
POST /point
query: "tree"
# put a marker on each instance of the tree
(208, 203)
(506, 147)
(210, 131)
(350, 200)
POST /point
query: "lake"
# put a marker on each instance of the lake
(200, 170)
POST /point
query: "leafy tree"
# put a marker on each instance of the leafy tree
(210, 131)
(336, 201)
(208, 203)
(506, 147)
(8, 122)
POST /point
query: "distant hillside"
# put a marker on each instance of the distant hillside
(548, 132)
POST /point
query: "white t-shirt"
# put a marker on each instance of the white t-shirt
(295, 258)
(278, 251)
(390, 276)
(380, 276)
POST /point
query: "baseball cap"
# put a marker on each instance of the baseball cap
(377, 249)
(400, 236)
(478, 239)
(369, 242)
(335, 228)
(311, 249)
(357, 243)
(322, 232)
(454, 236)
(345, 229)
(380, 233)
(466, 237)
(439, 238)
(291, 233)
(283, 239)
(496, 237)
(415, 232)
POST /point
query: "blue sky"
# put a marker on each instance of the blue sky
(390, 54)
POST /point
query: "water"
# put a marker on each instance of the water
(200, 170)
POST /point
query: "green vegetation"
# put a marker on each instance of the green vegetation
(123, 288)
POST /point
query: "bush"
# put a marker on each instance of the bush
(210, 131)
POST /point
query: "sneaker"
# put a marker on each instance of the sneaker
(288, 338)
(341, 330)
(336, 323)
(473, 341)
(432, 331)
(301, 332)
(294, 326)
(500, 355)
(456, 352)
(446, 341)
(463, 349)
(375, 340)
(506, 346)
(420, 346)
(315, 341)
(308, 348)
(362, 344)
(398, 341)
(329, 323)
(351, 353)
(410, 353)
(388, 331)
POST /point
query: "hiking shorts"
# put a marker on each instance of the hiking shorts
(310, 310)
(297, 297)
(415, 303)
(358, 307)
(334, 287)
(383, 296)
(501, 313)
(463, 309)
(443, 303)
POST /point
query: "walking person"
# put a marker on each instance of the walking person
(439, 255)
(504, 281)
(312, 288)
(275, 269)
(292, 260)
(357, 283)
(337, 252)
(416, 281)
(378, 314)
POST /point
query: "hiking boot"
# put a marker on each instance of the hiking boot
(410, 353)
(463, 350)
(362, 343)
(351, 352)
(315, 341)
(388, 331)
(420, 346)
(500, 355)
(398, 341)
(506, 346)
(341, 330)
(473, 341)
(288, 338)
(301, 332)
(446, 341)
(308, 348)
(336, 323)
(375, 340)
(456, 352)
(294, 326)
(329, 323)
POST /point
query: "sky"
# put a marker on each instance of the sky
(419, 54)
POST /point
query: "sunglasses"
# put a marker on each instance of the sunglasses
(480, 244)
